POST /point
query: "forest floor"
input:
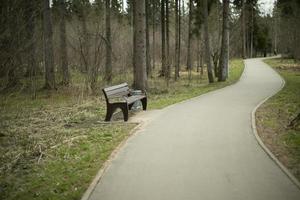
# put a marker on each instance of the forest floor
(274, 116)
(53, 146)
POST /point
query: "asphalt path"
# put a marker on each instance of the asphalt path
(203, 148)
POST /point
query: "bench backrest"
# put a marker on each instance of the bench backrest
(116, 91)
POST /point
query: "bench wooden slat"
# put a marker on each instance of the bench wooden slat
(107, 89)
(122, 91)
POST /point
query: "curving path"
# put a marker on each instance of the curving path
(203, 148)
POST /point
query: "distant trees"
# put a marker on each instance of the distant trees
(287, 20)
(75, 39)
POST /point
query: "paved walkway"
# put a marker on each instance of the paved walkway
(203, 149)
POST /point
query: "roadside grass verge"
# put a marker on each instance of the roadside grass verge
(274, 117)
(53, 146)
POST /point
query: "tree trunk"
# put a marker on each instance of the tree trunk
(243, 21)
(177, 38)
(153, 34)
(32, 49)
(148, 59)
(252, 32)
(63, 45)
(108, 65)
(207, 43)
(179, 35)
(163, 40)
(188, 62)
(224, 57)
(168, 68)
(30, 17)
(48, 47)
(139, 45)
(198, 53)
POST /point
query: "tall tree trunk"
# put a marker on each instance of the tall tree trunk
(63, 45)
(153, 33)
(198, 53)
(32, 48)
(168, 68)
(224, 57)
(30, 17)
(139, 45)
(252, 32)
(48, 47)
(148, 59)
(179, 35)
(202, 52)
(177, 59)
(207, 43)
(163, 39)
(188, 63)
(243, 21)
(108, 65)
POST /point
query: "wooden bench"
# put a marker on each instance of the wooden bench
(120, 96)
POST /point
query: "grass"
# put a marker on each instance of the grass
(162, 95)
(275, 116)
(52, 147)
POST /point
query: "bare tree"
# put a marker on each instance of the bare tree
(48, 47)
(139, 45)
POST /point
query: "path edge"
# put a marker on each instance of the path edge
(258, 139)
(107, 163)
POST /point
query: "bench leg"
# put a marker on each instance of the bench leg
(124, 109)
(130, 106)
(144, 103)
(109, 112)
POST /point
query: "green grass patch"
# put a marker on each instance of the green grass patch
(162, 95)
(53, 146)
(274, 116)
